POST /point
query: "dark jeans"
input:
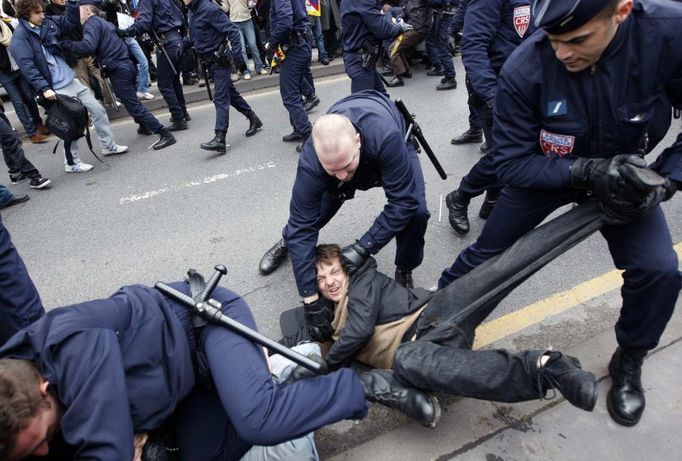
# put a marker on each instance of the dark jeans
(225, 95)
(20, 93)
(122, 78)
(169, 82)
(14, 156)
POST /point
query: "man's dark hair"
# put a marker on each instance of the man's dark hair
(25, 7)
(20, 400)
(327, 252)
(609, 10)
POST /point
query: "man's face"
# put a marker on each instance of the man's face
(343, 163)
(34, 439)
(331, 279)
(36, 17)
(58, 2)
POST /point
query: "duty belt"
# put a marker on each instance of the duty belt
(170, 35)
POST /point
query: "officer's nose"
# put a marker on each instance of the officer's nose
(563, 52)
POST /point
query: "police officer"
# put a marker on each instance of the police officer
(289, 30)
(164, 22)
(436, 44)
(100, 40)
(570, 111)
(492, 30)
(210, 29)
(364, 28)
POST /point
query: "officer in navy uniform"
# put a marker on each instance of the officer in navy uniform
(364, 29)
(492, 31)
(358, 145)
(209, 29)
(289, 30)
(571, 109)
(436, 43)
(100, 40)
(163, 20)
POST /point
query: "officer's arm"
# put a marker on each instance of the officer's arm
(481, 24)
(458, 17)
(71, 19)
(145, 17)
(400, 186)
(23, 55)
(284, 22)
(91, 385)
(379, 24)
(227, 28)
(669, 163)
(92, 34)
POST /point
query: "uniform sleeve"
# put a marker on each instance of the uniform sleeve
(91, 38)
(90, 383)
(283, 23)
(400, 187)
(458, 17)
(227, 28)
(379, 24)
(669, 163)
(145, 17)
(71, 19)
(481, 23)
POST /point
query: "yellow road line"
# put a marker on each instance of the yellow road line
(514, 322)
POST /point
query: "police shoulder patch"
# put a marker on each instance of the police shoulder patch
(521, 19)
(556, 144)
(555, 108)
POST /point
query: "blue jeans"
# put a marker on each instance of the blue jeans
(142, 64)
(21, 95)
(247, 34)
(5, 195)
(316, 29)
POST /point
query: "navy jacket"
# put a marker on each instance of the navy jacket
(545, 116)
(159, 15)
(286, 16)
(492, 30)
(26, 46)
(208, 27)
(384, 162)
(362, 20)
(100, 40)
(458, 18)
(100, 354)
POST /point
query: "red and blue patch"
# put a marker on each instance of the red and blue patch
(556, 144)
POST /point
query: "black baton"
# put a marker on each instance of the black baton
(163, 50)
(204, 69)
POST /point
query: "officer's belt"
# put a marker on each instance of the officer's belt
(173, 34)
(297, 38)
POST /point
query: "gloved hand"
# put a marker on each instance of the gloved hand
(604, 176)
(123, 33)
(353, 257)
(301, 372)
(670, 187)
(318, 315)
(451, 43)
(404, 27)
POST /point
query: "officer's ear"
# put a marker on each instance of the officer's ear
(623, 10)
(358, 141)
(43, 386)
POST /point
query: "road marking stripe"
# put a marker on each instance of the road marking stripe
(514, 322)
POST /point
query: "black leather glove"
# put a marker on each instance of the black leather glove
(604, 176)
(301, 372)
(451, 43)
(670, 187)
(319, 315)
(123, 33)
(353, 257)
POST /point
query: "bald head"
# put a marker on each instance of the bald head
(337, 145)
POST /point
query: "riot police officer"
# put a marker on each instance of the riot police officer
(436, 44)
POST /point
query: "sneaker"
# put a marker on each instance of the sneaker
(235, 77)
(117, 149)
(263, 71)
(146, 95)
(38, 182)
(80, 167)
(247, 76)
(17, 178)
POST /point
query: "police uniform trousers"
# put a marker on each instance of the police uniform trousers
(224, 96)
(436, 43)
(169, 82)
(291, 81)
(244, 406)
(361, 78)
(20, 303)
(14, 155)
(122, 75)
(643, 249)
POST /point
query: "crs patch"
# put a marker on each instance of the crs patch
(557, 144)
(521, 19)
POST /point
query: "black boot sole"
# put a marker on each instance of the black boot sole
(214, 149)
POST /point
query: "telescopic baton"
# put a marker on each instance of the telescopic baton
(107, 83)
(204, 70)
(160, 45)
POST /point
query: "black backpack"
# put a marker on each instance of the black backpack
(67, 118)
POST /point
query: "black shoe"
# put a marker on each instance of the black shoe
(17, 178)
(274, 257)
(324, 61)
(435, 72)
(311, 102)
(448, 83)
(564, 373)
(217, 144)
(38, 182)
(625, 400)
(166, 139)
(404, 277)
(484, 148)
(16, 200)
(177, 125)
(395, 81)
(293, 137)
(381, 387)
(143, 130)
(302, 335)
(471, 135)
(457, 205)
(488, 203)
(187, 117)
(255, 124)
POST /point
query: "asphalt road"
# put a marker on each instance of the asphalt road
(153, 215)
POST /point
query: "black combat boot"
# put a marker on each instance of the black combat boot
(625, 401)
(447, 83)
(177, 125)
(564, 373)
(274, 257)
(381, 387)
(311, 102)
(488, 203)
(166, 139)
(404, 277)
(143, 130)
(458, 203)
(395, 81)
(469, 136)
(294, 136)
(435, 72)
(254, 124)
(187, 116)
(216, 144)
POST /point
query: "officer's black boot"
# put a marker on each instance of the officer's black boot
(458, 203)
(254, 124)
(404, 277)
(187, 116)
(143, 130)
(447, 83)
(381, 387)
(564, 373)
(488, 203)
(311, 102)
(469, 136)
(216, 144)
(177, 125)
(274, 257)
(166, 139)
(294, 136)
(625, 401)
(435, 72)
(395, 81)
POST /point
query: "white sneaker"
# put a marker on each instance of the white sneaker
(235, 77)
(80, 167)
(146, 95)
(263, 72)
(118, 103)
(247, 76)
(117, 149)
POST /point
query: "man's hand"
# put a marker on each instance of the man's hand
(353, 257)
(301, 372)
(49, 94)
(404, 27)
(604, 177)
(318, 316)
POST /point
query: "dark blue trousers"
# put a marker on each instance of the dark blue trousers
(224, 96)
(246, 407)
(362, 79)
(293, 71)
(14, 156)
(643, 249)
(169, 83)
(122, 76)
(20, 303)
(436, 44)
